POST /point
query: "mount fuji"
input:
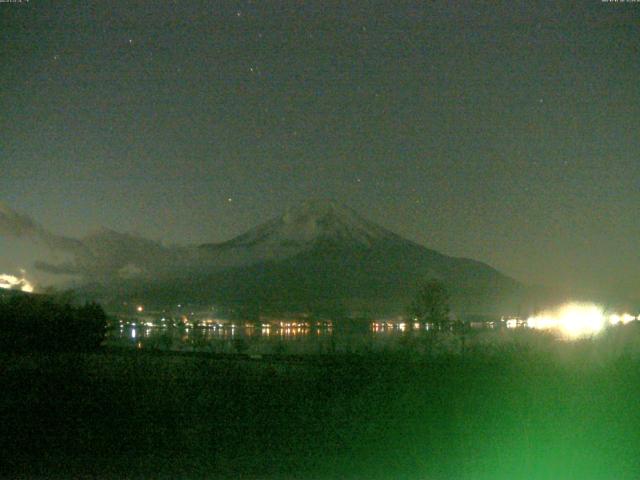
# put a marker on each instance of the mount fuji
(300, 229)
(324, 258)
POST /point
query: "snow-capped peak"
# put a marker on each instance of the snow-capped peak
(314, 220)
(299, 229)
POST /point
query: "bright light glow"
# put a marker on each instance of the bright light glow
(140, 308)
(625, 318)
(14, 283)
(573, 320)
(512, 323)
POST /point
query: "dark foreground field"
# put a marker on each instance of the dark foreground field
(134, 414)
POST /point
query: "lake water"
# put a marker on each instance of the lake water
(291, 339)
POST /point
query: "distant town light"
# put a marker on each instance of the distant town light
(573, 320)
(139, 309)
(624, 319)
(512, 323)
(14, 283)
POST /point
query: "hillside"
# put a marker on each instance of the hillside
(324, 257)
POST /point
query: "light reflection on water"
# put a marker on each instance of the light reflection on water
(258, 339)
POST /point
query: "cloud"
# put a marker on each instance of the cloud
(61, 269)
(106, 255)
(101, 256)
(129, 271)
(17, 225)
(14, 224)
(111, 254)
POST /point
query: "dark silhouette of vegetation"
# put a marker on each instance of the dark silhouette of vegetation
(431, 305)
(240, 345)
(140, 414)
(43, 323)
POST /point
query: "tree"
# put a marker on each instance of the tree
(40, 323)
(431, 305)
(92, 322)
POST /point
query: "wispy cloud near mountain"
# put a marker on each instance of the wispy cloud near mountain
(100, 256)
(14, 224)
(317, 253)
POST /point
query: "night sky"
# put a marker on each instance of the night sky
(508, 132)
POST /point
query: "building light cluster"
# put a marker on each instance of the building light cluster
(573, 320)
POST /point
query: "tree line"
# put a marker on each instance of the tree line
(44, 323)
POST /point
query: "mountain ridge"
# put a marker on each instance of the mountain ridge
(322, 256)
(307, 222)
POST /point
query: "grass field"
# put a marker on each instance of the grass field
(517, 413)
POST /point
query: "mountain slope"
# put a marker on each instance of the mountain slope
(297, 230)
(325, 258)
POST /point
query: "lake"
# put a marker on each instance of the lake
(291, 338)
